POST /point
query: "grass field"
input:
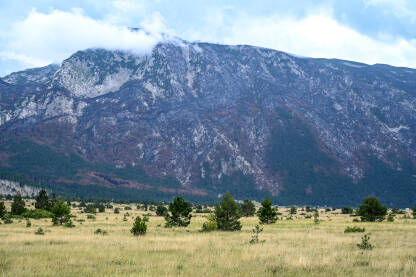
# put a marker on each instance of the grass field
(295, 247)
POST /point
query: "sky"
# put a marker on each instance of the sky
(36, 33)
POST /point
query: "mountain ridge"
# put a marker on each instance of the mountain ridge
(214, 118)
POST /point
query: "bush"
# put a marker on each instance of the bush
(397, 211)
(293, 210)
(414, 212)
(354, 229)
(390, 217)
(255, 236)
(28, 223)
(99, 231)
(18, 205)
(90, 209)
(365, 243)
(248, 208)
(139, 227)
(7, 219)
(127, 208)
(60, 212)
(37, 214)
(90, 216)
(69, 224)
(371, 210)
(210, 224)
(117, 210)
(347, 210)
(227, 214)
(180, 213)
(267, 214)
(39, 231)
(316, 217)
(161, 210)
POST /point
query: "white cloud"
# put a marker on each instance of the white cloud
(315, 35)
(399, 8)
(42, 38)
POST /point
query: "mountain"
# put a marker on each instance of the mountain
(200, 119)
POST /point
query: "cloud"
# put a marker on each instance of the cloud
(43, 38)
(314, 35)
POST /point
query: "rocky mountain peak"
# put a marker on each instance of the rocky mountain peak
(200, 119)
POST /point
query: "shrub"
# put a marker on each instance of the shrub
(69, 224)
(90, 216)
(308, 209)
(248, 208)
(255, 236)
(180, 213)
(60, 212)
(37, 214)
(346, 210)
(227, 214)
(90, 209)
(161, 210)
(293, 210)
(127, 208)
(414, 212)
(7, 219)
(18, 205)
(316, 217)
(372, 210)
(390, 217)
(99, 231)
(365, 243)
(355, 220)
(267, 214)
(397, 211)
(210, 224)
(139, 227)
(354, 229)
(28, 223)
(146, 218)
(117, 210)
(101, 208)
(39, 231)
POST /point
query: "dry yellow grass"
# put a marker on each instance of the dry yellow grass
(295, 247)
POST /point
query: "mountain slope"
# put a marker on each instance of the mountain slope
(200, 119)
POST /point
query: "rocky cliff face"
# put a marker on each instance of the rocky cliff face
(201, 119)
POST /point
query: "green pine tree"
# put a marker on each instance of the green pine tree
(180, 213)
(227, 214)
(371, 210)
(248, 208)
(267, 214)
(139, 227)
(42, 201)
(18, 205)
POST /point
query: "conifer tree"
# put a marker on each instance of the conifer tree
(248, 208)
(139, 227)
(180, 213)
(42, 201)
(18, 205)
(267, 214)
(227, 214)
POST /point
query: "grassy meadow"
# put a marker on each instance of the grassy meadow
(296, 247)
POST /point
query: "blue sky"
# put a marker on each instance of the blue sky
(39, 32)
